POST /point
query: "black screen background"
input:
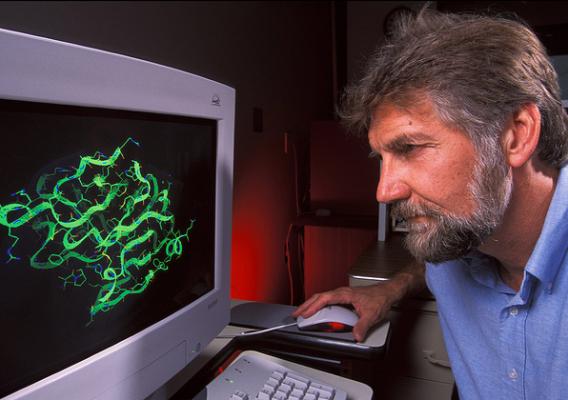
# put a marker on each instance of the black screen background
(44, 328)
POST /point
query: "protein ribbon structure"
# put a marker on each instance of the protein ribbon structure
(103, 223)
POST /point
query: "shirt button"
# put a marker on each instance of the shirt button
(513, 374)
(513, 311)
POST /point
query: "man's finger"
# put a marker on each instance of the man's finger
(304, 306)
(361, 328)
(316, 305)
(341, 295)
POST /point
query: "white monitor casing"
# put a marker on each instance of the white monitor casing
(43, 70)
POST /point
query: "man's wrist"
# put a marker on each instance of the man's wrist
(408, 281)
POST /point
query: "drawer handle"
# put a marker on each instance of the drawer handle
(429, 355)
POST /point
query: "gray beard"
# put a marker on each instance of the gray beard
(443, 237)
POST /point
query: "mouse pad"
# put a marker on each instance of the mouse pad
(265, 315)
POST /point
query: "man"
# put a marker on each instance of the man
(465, 112)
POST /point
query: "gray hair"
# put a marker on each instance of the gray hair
(477, 70)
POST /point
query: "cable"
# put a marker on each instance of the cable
(289, 264)
(256, 332)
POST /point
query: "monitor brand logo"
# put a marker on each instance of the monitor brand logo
(216, 100)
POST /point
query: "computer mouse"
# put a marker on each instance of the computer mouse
(332, 318)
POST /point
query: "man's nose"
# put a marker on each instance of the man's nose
(391, 186)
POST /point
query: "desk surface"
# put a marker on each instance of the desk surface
(381, 260)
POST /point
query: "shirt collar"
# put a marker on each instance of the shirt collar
(552, 243)
(484, 269)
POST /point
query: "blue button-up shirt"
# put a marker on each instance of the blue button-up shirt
(504, 344)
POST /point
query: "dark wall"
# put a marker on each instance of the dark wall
(277, 55)
(549, 19)
(365, 30)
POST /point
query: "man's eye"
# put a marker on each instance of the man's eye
(407, 148)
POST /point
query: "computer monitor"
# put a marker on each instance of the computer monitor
(115, 220)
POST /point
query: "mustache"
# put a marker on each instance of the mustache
(404, 209)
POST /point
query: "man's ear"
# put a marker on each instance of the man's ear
(521, 137)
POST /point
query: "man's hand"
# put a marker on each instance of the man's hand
(371, 303)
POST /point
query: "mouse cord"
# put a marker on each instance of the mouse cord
(256, 332)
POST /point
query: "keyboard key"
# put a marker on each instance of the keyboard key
(285, 388)
(295, 382)
(280, 396)
(239, 395)
(321, 393)
(320, 386)
(262, 395)
(301, 386)
(278, 375)
(268, 389)
(298, 378)
(273, 382)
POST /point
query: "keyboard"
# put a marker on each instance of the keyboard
(254, 376)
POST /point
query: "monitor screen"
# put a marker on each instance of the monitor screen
(107, 221)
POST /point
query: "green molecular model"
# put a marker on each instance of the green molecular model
(104, 223)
